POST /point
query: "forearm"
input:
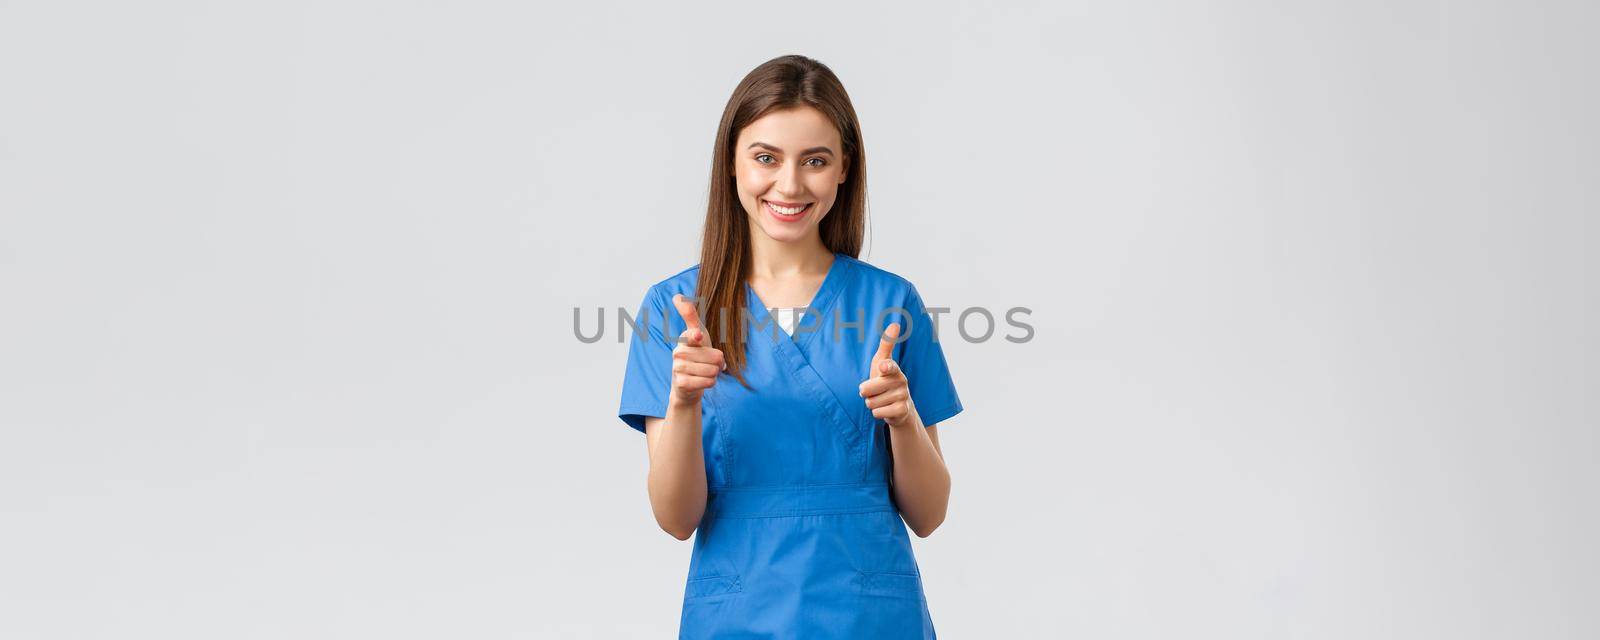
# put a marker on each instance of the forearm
(921, 480)
(677, 477)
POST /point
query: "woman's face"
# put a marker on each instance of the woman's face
(788, 165)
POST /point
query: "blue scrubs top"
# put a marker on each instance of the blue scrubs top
(800, 538)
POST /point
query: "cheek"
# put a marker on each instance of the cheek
(751, 183)
(825, 185)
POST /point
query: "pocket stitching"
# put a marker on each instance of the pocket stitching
(707, 586)
(889, 582)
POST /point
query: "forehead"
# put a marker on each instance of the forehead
(792, 129)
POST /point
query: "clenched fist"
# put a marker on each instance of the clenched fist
(887, 391)
(695, 365)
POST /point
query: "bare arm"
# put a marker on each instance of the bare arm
(677, 478)
(921, 482)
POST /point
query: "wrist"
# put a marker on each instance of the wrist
(911, 420)
(676, 400)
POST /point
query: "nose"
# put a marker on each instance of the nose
(789, 185)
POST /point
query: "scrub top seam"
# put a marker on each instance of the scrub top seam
(785, 487)
(800, 514)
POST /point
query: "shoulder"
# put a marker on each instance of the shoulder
(683, 282)
(881, 280)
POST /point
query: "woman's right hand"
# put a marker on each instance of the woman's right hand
(695, 364)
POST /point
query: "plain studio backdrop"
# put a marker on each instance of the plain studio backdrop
(287, 292)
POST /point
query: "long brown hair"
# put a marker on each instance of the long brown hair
(780, 83)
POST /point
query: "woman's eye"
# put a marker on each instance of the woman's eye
(764, 155)
(820, 162)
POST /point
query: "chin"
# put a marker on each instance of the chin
(787, 234)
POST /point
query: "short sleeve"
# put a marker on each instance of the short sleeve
(927, 373)
(648, 377)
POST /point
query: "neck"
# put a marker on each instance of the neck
(772, 259)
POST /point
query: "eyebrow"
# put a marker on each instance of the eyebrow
(769, 147)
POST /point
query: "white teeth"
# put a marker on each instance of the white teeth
(788, 211)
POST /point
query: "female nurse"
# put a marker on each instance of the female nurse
(789, 392)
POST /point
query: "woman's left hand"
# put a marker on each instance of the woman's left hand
(887, 392)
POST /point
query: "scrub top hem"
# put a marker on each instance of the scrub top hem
(936, 417)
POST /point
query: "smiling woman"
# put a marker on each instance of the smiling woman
(790, 185)
(789, 138)
(797, 459)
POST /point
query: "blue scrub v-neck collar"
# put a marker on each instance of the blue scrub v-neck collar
(819, 304)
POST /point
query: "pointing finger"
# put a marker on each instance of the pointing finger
(691, 316)
(885, 346)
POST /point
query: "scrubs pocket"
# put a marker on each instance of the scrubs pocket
(712, 586)
(884, 583)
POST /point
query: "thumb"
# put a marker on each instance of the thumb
(885, 347)
(691, 316)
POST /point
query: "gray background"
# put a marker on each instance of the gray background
(286, 343)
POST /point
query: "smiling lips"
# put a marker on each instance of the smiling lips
(787, 210)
